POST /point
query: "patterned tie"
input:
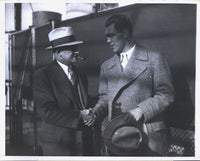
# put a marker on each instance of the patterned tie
(73, 78)
(123, 60)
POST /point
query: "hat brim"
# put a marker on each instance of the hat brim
(116, 123)
(65, 45)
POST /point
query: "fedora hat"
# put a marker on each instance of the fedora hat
(123, 137)
(62, 37)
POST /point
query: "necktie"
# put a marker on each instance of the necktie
(123, 60)
(73, 79)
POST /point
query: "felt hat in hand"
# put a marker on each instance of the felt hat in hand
(62, 37)
(124, 137)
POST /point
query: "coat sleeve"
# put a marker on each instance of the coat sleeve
(163, 91)
(47, 106)
(101, 108)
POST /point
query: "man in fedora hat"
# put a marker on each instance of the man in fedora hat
(135, 81)
(60, 99)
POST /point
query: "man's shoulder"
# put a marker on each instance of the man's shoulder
(149, 54)
(110, 62)
(146, 50)
(44, 70)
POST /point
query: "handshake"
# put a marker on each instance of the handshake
(88, 116)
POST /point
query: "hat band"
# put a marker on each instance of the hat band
(63, 40)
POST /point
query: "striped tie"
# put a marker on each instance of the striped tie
(121, 60)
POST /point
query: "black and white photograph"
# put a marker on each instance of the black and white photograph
(100, 79)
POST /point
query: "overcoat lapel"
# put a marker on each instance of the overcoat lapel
(135, 67)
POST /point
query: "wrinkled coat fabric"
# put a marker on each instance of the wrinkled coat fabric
(145, 83)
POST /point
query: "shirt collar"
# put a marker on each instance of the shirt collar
(64, 67)
(129, 52)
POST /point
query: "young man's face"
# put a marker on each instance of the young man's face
(115, 39)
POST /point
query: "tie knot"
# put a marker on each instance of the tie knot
(123, 60)
(70, 70)
(123, 57)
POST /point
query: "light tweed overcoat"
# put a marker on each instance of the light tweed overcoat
(145, 83)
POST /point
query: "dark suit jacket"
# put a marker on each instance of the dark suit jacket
(57, 102)
(145, 83)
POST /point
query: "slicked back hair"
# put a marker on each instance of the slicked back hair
(120, 22)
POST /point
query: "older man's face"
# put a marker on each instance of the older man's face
(115, 39)
(69, 56)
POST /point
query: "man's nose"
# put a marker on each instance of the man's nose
(108, 40)
(76, 53)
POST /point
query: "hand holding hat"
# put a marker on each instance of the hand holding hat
(137, 114)
(130, 118)
(124, 136)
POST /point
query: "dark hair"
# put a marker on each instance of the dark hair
(120, 21)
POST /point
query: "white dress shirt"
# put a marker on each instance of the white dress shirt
(65, 69)
(125, 56)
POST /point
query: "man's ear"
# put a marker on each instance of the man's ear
(125, 33)
(58, 53)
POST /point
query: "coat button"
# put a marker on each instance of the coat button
(150, 77)
(138, 100)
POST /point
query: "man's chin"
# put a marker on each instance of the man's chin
(114, 50)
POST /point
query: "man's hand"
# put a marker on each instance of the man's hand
(88, 117)
(137, 114)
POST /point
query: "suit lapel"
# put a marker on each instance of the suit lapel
(81, 91)
(61, 82)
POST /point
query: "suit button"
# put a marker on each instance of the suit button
(150, 77)
(138, 100)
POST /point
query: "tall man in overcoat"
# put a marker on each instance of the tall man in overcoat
(136, 81)
(60, 98)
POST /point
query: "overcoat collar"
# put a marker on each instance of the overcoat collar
(137, 64)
